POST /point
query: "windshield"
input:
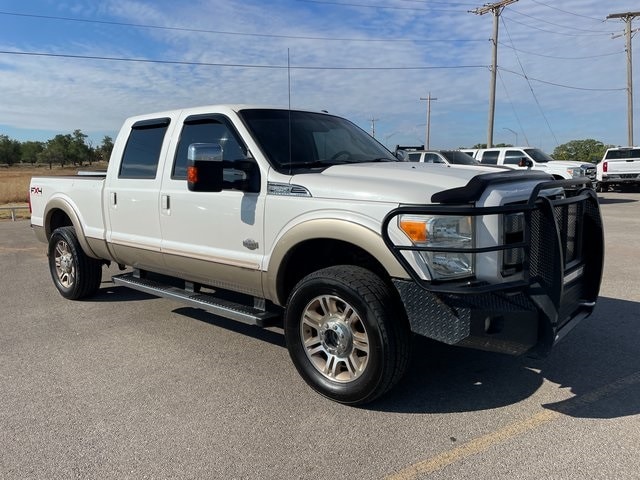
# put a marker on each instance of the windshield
(538, 155)
(460, 158)
(317, 140)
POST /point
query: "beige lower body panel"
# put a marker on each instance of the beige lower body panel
(208, 273)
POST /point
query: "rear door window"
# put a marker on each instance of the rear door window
(490, 157)
(142, 152)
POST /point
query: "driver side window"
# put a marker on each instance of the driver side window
(211, 130)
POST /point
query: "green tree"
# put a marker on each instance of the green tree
(9, 150)
(104, 150)
(588, 150)
(484, 145)
(29, 151)
(78, 151)
(57, 150)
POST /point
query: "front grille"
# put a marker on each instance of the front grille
(566, 254)
(550, 249)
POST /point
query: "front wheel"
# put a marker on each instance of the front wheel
(345, 335)
(74, 274)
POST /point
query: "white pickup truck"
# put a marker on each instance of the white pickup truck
(302, 220)
(535, 159)
(619, 167)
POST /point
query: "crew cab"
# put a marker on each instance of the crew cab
(302, 220)
(619, 167)
(536, 159)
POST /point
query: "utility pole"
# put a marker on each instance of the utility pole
(429, 98)
(628, 17)
(373, 126)
(495, 8)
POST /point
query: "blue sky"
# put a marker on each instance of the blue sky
(561, 74)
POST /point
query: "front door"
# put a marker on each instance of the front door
(215, 238)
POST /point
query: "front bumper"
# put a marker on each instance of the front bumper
(562, 270)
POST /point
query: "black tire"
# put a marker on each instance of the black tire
(346, 334)
(74, 274)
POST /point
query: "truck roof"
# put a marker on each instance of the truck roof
(221, 108)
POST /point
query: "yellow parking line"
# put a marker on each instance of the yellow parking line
(485, 442)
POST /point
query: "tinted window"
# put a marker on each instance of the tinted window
(625, 153)
(208, 129)
(141, 155)
(432, 158)
(460, 158)
(513, 157)
(413, 157)
(538, 155)
(490, 157)
(294, 140)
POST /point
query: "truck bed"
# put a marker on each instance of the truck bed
(84, 190)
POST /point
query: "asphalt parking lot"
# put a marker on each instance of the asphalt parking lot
(126, 385)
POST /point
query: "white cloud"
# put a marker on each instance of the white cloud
(60, 95)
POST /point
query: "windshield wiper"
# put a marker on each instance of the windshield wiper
(315, 164)
(382, 159)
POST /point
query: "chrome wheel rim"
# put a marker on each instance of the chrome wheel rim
(65, 266)
(335, 338)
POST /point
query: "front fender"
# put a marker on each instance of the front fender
(335, 229)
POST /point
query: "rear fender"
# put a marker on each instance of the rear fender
(60, 204)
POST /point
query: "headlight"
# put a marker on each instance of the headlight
(576, 172)
(442, 232)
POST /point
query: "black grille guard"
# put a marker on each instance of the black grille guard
(545, 274)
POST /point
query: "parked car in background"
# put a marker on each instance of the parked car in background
(536, 159)
(620, 166)
(456, 157)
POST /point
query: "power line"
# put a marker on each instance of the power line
(535, 97)
(570, 87)
(588, 57)
(239, 65)
(560, 33)
(513, 107)
(440, 3)
(382, 7)
(559, 25)
(227, 32)
(566, 11)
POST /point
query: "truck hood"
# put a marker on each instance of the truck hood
(568, 164)
(396, 182)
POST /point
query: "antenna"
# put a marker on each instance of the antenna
(289, 93)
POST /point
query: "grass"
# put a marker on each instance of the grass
(14, 184)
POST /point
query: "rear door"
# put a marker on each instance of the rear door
(131, 193)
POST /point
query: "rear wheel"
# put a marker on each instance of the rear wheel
(74, 274)
(345, 336)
